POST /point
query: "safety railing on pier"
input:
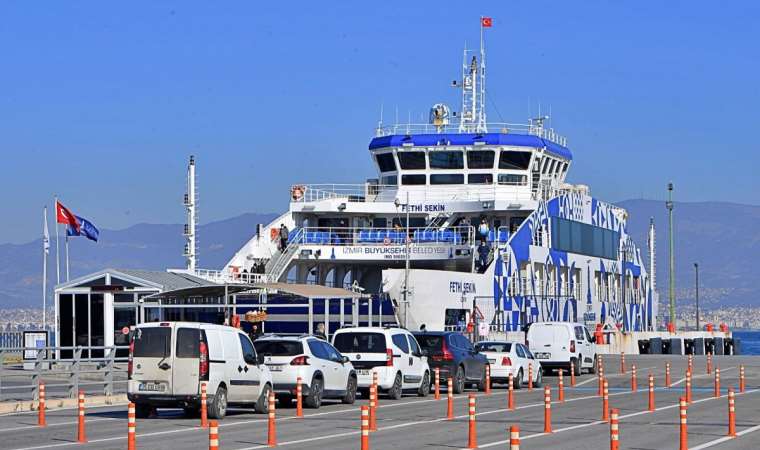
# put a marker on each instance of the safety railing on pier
(64, 370)
(230, 276)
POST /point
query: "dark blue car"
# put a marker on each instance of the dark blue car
(455, 356)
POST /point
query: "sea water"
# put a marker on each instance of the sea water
(750, 342)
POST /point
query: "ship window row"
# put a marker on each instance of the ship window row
(458, 178)
(577, 237)
(453, 160)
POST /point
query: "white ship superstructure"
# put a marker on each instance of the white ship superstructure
(413, 235)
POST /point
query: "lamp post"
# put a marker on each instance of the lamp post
(696, 286)
(671, 268)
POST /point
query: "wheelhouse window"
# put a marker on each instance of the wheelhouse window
(389, 180)
(412, 160)
(447, 178)
(513, 179)
(510, 159)
(385, 162)
(410, 180)
(480, 178)
(446, 160)
(480, 159)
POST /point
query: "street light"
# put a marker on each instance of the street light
(696, 285)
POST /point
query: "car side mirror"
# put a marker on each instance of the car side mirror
(344, 359)
(424, 353)
(259, 359)
(592, 340)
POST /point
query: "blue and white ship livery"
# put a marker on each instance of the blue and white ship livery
(465, 213)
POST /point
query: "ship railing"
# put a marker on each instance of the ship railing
(358, 193)
(369, 236)
(492, 127)
(230, 276)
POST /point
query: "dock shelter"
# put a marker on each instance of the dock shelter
(98, 309)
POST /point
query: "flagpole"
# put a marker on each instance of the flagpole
(45, 245)
(67, 255)
(57, 248)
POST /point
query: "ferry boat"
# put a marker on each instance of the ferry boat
(465, 222)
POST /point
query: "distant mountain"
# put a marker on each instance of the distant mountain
(722, 237)
(146, 246)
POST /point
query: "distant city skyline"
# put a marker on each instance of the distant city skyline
(104, 103)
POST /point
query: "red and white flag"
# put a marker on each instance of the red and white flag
(486, 22)
(63, 215)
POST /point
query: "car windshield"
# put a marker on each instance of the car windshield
(501, 347)
(278, 348)
(360, 342)
(152, 342)
(430, 341)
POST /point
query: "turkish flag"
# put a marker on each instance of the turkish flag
(486, 22)
(63, 215)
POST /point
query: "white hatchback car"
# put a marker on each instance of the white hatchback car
(510, 358)
(392, 352)
(324, 372)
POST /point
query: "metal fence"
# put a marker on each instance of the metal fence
(63, 377)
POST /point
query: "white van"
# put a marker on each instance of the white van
(557, 344)
(168, 361)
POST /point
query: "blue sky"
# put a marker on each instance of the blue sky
(102, 102)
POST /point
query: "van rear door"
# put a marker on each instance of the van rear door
(152, 359)
(549, 341)
(185, 368)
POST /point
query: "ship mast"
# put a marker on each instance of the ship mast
(473, 115)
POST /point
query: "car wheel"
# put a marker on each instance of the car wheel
(218, 407)
(396, 390)
(592, 370)
(315, 399)
(539, 379)
(262, 404)
(350, 396)
(424, 389)
(577, 364)
(142, 411)
(481, 386)
(518, 382)
(459, 380)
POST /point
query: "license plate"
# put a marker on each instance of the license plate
(543, 355)
(363, 372)
(275, 368)
(153, 387)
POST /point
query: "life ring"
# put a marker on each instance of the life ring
(387, 241)
(297, 191)
(274, 233)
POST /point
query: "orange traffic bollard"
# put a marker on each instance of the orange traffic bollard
(688, 387)
(204, 407)
(514, 437)
(131, 445)
(272, 428)
(372, 407)
(731, 413)
(547, 409)
(709, 363)
(684, 432)
(365, 428)
(716, 394)
(561, 386)
(530, 376)
(450, 402)
(572, 374)
(651, 392)
(600, 377)
(41, 407)
(741, 378)
(633, 378)
(213, 435)
(622, 362)
(472, 439)
(667, 375)
(437, 383)
(81, 436)
(614, 430)
(511, 394)
(606, 402)
(488, 379)
(691, 362)
(299, 398)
